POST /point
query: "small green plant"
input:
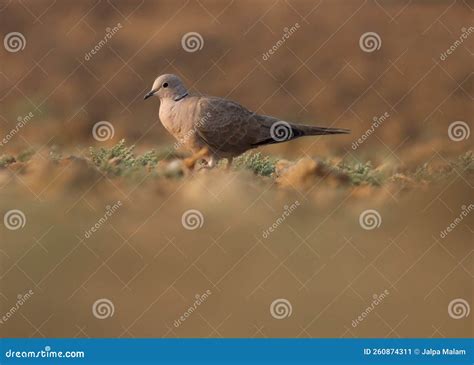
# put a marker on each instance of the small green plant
(464, 164)
(6, 160)
(26, 155)
(423, 173)
(55, 154)
(120, 159)
(260, 165)
(361, 173)
(23, 156)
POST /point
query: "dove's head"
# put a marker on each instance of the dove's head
(168, 86)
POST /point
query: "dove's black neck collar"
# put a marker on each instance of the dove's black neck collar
(178, 98)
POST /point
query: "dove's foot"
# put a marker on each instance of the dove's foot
(193, 161)
(207, 164)
(211, 163)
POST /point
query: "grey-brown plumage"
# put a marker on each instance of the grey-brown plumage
(224, 127)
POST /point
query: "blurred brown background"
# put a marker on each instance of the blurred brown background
(319, 75)
(320, 259)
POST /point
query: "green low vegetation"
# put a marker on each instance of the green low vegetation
(361, 173)
(6, 160)
(121, 160)
(255, 162)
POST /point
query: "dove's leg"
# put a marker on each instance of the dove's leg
(211, 163)
(230, 160)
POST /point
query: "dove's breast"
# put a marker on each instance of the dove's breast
(179, 119)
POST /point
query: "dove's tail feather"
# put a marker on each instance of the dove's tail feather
(307, 130)
(284, 132)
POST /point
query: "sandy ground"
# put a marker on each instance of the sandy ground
(317, 256)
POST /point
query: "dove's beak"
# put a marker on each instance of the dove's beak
(150, 94)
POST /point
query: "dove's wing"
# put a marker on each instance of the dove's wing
(229, 128)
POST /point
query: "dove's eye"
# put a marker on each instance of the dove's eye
(165, 84)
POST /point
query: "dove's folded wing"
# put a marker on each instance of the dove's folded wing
(229, 128)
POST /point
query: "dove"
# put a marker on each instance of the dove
(224, 128)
